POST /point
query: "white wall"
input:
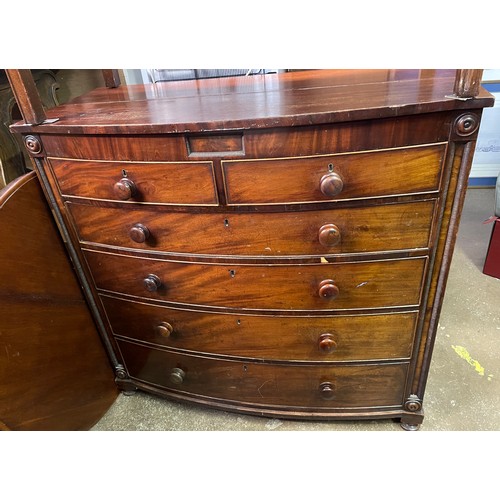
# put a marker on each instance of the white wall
(487, 156)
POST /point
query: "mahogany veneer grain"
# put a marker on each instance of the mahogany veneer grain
(284, 247)
(357, 337)
(389, 227)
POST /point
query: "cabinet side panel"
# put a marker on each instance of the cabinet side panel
(461, 164)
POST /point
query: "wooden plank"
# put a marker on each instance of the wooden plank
(111, 78)
(27, 96)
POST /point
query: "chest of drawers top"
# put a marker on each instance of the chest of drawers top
(293, 99)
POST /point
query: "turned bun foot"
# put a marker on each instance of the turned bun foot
(409, 427)
(129, 393)
(126, 386)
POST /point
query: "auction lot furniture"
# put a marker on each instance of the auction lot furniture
(276, 245)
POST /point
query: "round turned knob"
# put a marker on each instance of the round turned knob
(327, 390)
(125, 189)
(326, 343)
(177, 376)
(331, 184)
(152, 283)
(164, 329)
(329, 235)
(328, 289)
(139, 233)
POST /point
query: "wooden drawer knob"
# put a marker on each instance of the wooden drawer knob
(326, 343)
(152, 283)
(177, 376)
(331, 184)
(329, 235)
(327, 390)
(164, 329)
(125, 189)
(139, 233)
(328, 289)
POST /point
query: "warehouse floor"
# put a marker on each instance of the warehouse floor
(463, 390)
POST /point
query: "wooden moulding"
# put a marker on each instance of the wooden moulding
(467, 82)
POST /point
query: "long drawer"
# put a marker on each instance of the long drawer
(334, 177)
(172, 183)
(301, 286)
(268, 384)
(361, 229)
(299, 338)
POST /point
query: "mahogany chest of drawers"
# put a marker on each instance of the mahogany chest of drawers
(276, 245)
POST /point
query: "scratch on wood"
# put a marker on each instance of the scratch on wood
(263, 386)
(362, 284)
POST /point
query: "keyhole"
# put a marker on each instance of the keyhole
(232, 272)
(124, 173)
(330, 167)
(226, 222)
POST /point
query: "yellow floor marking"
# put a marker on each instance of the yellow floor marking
(464, 354)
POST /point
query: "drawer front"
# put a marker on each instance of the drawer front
(187, 183)
(317, 286)
(334, 177)
(261, 143)
(268, 384)
(334, 338)
(362, 229)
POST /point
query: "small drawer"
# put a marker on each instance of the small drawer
(172, 183)
(356, 285)
(313, 386)
(286, 338)
(325, 178)
(362, 229)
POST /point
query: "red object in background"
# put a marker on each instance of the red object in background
(492, 262)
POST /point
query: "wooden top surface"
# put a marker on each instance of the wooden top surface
(258, 101)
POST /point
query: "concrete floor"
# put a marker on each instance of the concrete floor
(463, 390)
